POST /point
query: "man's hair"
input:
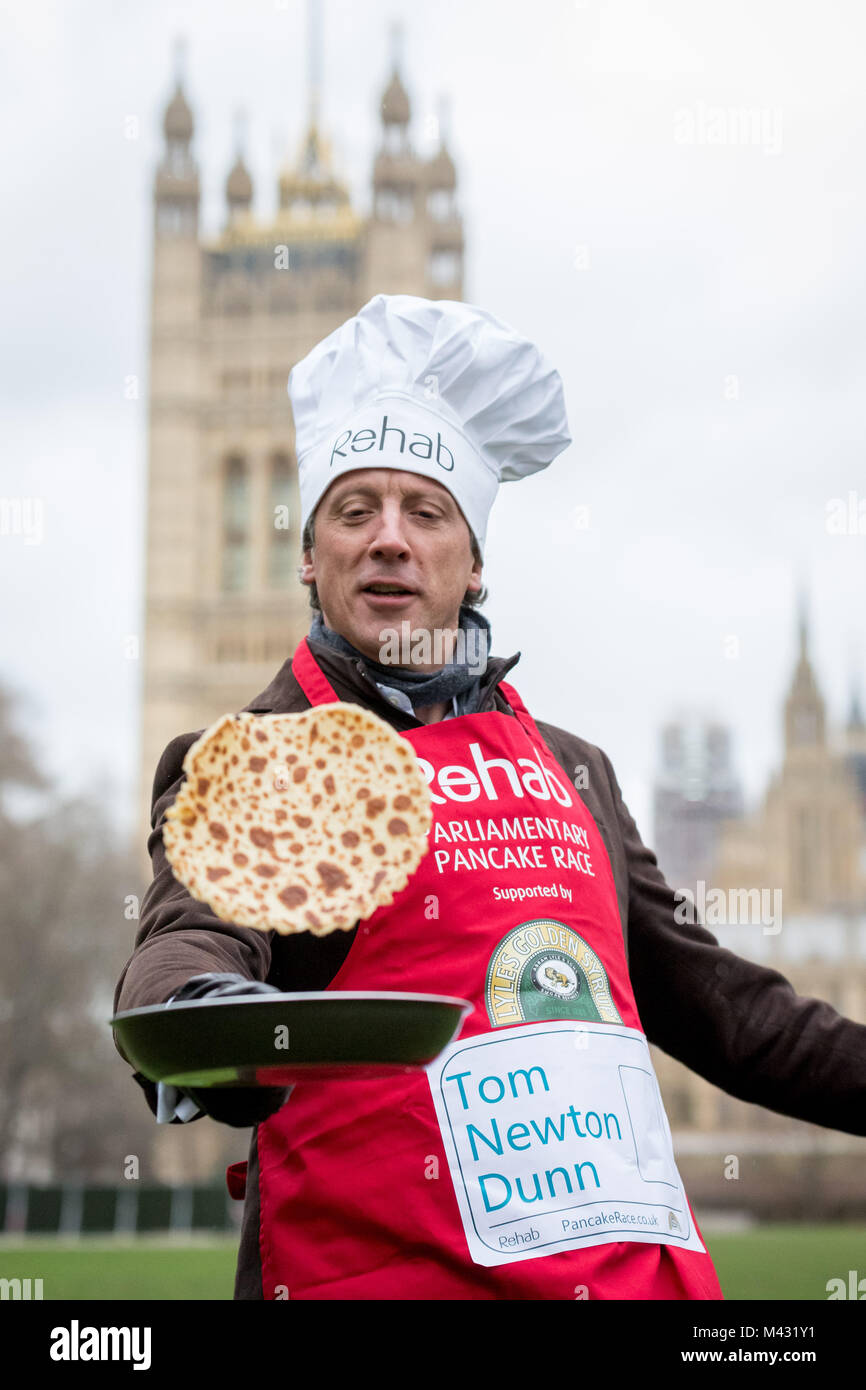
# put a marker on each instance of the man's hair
(471, 599)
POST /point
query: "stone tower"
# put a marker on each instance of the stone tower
(230, 314)
(808, 837)
(696, 790)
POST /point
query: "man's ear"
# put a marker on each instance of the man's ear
(306, 570)
(475, 582)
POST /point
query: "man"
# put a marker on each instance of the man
(534, 1159)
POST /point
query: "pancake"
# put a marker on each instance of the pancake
(298, 822)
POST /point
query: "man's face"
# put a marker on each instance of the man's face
(385, 525)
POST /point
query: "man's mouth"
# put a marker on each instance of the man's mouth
(383, 587)
(383, 595)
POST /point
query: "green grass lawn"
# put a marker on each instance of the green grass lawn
(787, 1262)
(150, 1268)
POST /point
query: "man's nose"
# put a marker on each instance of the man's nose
(390, 534)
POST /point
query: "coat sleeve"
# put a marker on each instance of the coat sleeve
(740, 1025)
(179, 937)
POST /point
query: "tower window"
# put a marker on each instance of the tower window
(395, 138)
(444, 267)
(282, 534)
(440, 204)
(177, 158)
(395, 205)
(236, 540)
(175, 219)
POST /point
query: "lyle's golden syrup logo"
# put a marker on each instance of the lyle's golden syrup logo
(543, 969)
(556, 976)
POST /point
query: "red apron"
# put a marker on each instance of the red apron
(374, 1189)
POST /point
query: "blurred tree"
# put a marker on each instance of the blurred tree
(17, 765)
(68, 1111)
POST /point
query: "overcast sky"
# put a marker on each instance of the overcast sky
(667, 196)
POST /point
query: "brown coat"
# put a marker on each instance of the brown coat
(739, 1024)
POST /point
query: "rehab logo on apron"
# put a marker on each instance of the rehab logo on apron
(543, 969)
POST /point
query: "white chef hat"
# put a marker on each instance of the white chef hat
(432, 386)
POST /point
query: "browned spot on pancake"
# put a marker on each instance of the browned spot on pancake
(303, 821)
(357, 740)
(214, 874)
(402, 803)
(312, 919)
(299, 774)
(200, 806)
(332, 876)
(280, 816)
(218, 831)
(245, 744)
(187, 835)
(389, 767)
(261, 736)
(295, 848)
(258, 764)
(292, 758)
(350, 839)
(377, 878)
(362, 791)
(265, 870)
(335, 748)
(407, 854)
(356, 859)
(240, 860)
(375, 806)
(320, 762)
(396, 826)
(293, 896)
(202, 785)
(187, 817)
(314, 730)
(261, 838)
(330, 784)
(317, 798)
(378, 849)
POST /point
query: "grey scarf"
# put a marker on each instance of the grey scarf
(454, 678)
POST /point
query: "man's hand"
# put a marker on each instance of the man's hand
(239, 1106)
